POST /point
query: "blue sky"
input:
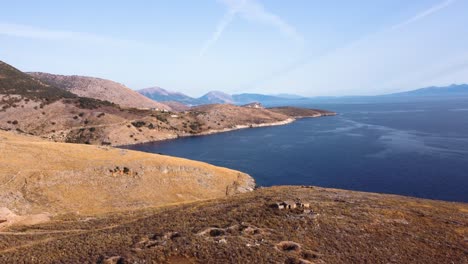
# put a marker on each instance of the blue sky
(307, 47)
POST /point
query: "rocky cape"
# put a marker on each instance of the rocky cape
(34, 104)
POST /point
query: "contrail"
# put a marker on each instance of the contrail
(228, 17)
(424, 14)
(301, 62)
(225, 21)
(253, 11)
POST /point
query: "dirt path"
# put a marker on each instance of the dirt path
(49, 239)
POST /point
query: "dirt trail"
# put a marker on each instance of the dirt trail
(74, 231)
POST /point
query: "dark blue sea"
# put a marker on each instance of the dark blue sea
(410, 148)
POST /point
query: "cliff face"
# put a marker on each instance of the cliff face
(37, 177)
(98, 88)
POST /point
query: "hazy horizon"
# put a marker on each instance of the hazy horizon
(244, 46)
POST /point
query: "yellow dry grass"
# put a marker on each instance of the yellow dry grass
(38, 176)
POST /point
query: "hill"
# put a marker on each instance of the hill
(161, 95)
(19, 84)
(98, 88)
(452, 90)
(297, 112)
(339, 227)
(40, 177)
(176, 106)
(428, 93)
(216, 97)
(246, 98)
(30, 106)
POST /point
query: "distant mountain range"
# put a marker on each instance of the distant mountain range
(78, 109)
(215, 97)
(452, 90)
(218, 97)
(161, 95)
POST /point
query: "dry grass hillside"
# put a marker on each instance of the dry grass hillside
(176, 106)
(98, 88)
(40, 177)
(15, 82)
(31, 106)
(339, 227)
(301, 112)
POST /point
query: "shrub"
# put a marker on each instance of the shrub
(138, 124)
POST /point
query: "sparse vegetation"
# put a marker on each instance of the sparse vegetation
(91, 111)
(19, 83)
(244, 229)
(90, 103)
(138, 124)
(195, 126)
(162, 117)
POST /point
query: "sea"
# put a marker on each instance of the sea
(413, 148)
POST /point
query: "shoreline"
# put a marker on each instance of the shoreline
(237, 127)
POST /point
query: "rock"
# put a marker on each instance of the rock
(114, 260)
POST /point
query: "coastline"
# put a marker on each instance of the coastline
(237, 127)
(215, 131)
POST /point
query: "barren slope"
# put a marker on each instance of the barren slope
(98, 88)
(38, 176)
(341, 227)
(31, 106)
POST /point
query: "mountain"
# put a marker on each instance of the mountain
(31, 106)
(292, 99)
(418, 95)
(452, 90)
(160, 95)
(289, 96)
(98, 88)
(163, 95)
(176, 106)
(246, 98)
(216, 97)
(13, 81)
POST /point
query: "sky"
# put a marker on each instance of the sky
(306, 47)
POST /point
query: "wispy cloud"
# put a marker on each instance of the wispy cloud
(25, 31)
(424, 13)
(225, 21)
(351, 48)
(254, 11)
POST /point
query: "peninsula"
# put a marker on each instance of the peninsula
(78, 109)
(122, 206)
